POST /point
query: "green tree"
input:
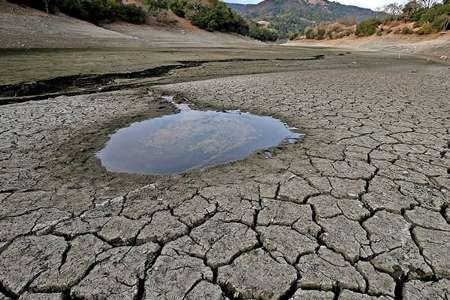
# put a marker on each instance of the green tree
(157, 5)
(178, 7)
(367, 27)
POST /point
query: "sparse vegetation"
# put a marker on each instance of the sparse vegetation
(415, 17)
(329, 30)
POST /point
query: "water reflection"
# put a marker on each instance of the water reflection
(191, 139)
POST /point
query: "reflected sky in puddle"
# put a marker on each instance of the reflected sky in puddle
(191, 139)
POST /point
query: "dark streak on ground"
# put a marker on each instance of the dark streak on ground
(92, 83)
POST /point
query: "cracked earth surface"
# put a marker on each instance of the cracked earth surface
(357, 210)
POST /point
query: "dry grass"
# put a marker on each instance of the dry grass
(345, 28)
(330, 31)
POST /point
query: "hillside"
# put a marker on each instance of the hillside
(294, 15)
(24, 27)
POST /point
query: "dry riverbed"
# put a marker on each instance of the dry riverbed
(359, 209)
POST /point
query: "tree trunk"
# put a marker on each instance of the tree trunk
(46, 6)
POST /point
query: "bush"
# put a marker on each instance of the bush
(97, 11)
(438, 15)
(426, 28)
(320, 35)
(441, 23)
(212, 16)
(309, 33)
(367, 27)
(94, 11)
(407, 30)
(293, 36)
(217, 16)
(131, 13)
(261, 33)
(178, 7)
(347, 21)
(332, 31)
(156, 5)
(30, 3)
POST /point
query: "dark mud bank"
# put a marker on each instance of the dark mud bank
(91, 83)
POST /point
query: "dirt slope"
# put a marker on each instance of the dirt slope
(22, 27)
(180, 36)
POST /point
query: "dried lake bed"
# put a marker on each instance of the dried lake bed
(358, 209)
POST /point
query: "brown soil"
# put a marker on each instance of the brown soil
(433, 45)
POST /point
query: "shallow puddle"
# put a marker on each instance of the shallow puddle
(191, 139)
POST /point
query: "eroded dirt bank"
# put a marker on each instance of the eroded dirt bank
(358, 210)
(436, 46)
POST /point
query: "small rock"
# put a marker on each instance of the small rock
(352, 195)
(267, 154)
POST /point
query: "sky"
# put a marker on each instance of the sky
(373, 4)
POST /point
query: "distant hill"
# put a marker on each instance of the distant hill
(239, 7)
(294, 15)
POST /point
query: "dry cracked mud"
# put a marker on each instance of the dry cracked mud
(358, 210)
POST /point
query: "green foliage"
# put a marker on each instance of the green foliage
(131, 13)
(156, 5)
(426, 28)
(212, 16)
(288, 22)
(309, 33)
(407, 30)
(410, 9)
(261, 33)
(97, 11)
(438, 16)
(295, 15)
(441, 22)
(367, 27)
(178, 7)
(219, 18)
(38, 4)
(293, 35)
(94, 11)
